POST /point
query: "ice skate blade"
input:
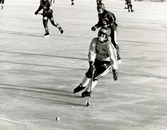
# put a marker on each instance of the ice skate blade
(46, 36)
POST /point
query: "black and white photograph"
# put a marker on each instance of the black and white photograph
(83, 65)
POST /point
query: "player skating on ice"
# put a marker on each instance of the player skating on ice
(2, 3)
(129, 5)
(72, 2)
(102, 55)
(104, 15)
(46, 6)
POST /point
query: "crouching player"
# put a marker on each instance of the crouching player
(102, 55)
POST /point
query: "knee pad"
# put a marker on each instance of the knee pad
(45, 18)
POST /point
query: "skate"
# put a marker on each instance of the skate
(79, 88)
(61, 30)
(132, 10)
(86, 94)
(46, 34)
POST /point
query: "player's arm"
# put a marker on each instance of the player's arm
(39, 9)
(99, 24)
(112, 55)
(92, 56)
(92, 50)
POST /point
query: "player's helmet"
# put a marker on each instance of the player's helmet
(44, 1)
(103, 34)
(100, 8)
(99, 2)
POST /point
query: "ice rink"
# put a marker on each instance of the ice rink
(38, 75)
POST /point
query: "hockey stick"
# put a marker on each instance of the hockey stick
(91, 82)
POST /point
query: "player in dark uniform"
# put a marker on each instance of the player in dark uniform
(106, 16)
(46, 5)
(72, 2)
(129, 5)
(2, 3)
(126, 5)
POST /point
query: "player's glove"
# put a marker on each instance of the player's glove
(36, 12)
(93, 28)
(115, 74)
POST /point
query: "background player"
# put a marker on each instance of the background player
(46, 5)
(129, 6)
(2, 3)
(104, 15)
(72, 2)
(102, 54)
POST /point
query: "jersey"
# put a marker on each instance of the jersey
(103, 52)
(46, 6)
(128, 1)
(110, 17)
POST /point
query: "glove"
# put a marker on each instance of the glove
(91, 66)
(93, 28)
(115, 74)
(36, 12)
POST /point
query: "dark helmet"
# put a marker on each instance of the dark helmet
(99, 2)
(100, 8)
(104, 33)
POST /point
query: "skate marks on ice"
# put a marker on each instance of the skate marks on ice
(57, 95)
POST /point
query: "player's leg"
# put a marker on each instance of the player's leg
(131, 8)
(45, 24)
(87, 92)
(82, 85)
(126, 5)
(100, 68)
(85, 81)
(53, 22)
(115, 43)
(72, 2)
